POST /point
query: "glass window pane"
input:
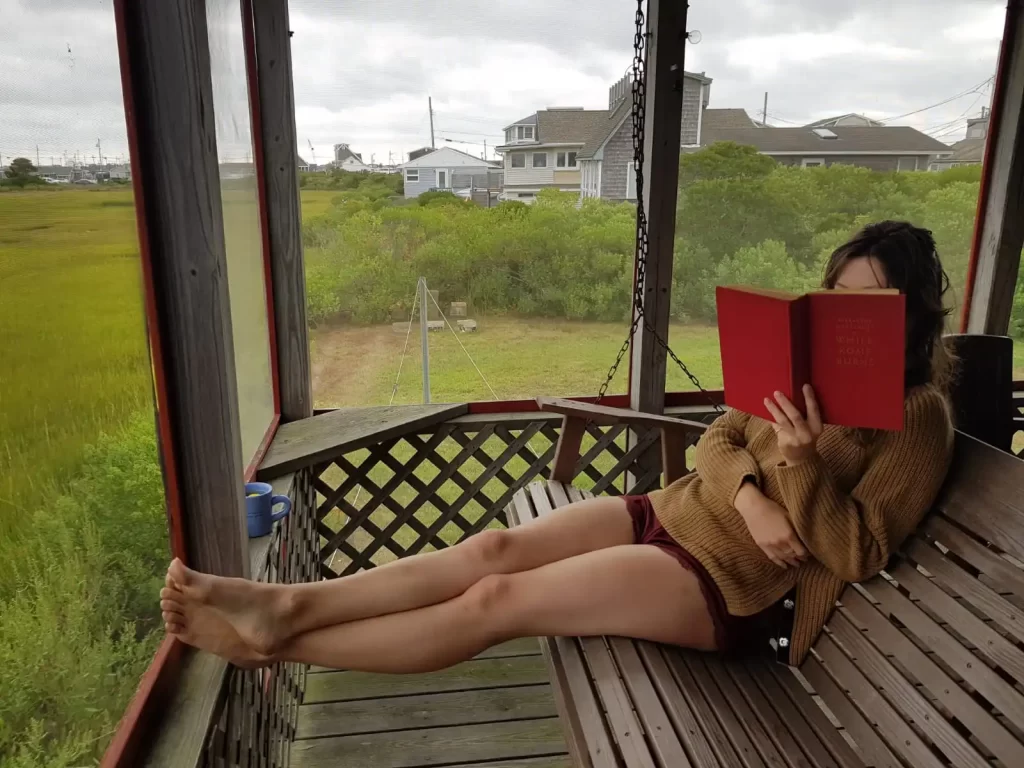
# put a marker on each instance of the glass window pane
(243, 236)
(83, 532)
(766, 196)
(546, 279)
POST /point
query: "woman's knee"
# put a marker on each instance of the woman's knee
(493, 549)
(490, 602)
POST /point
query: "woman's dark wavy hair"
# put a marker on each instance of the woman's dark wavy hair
(911, 263)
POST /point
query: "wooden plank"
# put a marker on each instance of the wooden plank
(1008, 576)
(947, 648)
(425, 711)
(987, 641)
(903, 696)
(662, 736)
(567, 451)
(605, 415)
(871, 704)
(188, 715)
(982, 481)
(663, 103)
(281, 195)
(804, 717)
(172, 93)
(469, 675)
(523, 646)
(319, 439)
(1001, 221)
(433, 746)
(679, 711)
(554, 761)
(935, 680)
(874, 751)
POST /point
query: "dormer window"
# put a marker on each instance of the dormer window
(519, 133)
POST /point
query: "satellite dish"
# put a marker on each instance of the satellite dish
(693, 36)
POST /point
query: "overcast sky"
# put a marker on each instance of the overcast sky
(364, 68)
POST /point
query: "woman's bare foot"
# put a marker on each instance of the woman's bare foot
(205, 628)
(260, 614)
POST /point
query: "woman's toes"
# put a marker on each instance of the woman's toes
(174, 629)
(179, 574)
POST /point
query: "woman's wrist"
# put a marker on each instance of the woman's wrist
(747, 498)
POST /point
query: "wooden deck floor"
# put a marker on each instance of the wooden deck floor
(496, 711)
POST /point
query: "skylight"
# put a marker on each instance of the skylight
(824, 133)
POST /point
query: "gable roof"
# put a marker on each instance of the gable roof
(719, 119)
(528, 120)
(887, 139)
(300, 161)
(967, 151)
(828, 121)
(603, 129)
(445, 157)
(564, 126)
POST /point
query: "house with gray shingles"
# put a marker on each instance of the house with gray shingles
(970, 150)
(435, 170)
(606, 157)
(878, 147)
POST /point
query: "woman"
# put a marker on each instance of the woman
(779, 513)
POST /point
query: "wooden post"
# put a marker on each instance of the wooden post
(284, 216)
(182, 237)
(999, 236)
(666, 23)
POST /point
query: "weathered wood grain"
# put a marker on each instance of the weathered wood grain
(172, 93)
(319, 439)
(397, 713)
(524, 646)
(434, 746)
(284, 219)
(470, 675)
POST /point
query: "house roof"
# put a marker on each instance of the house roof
(343, 153)
(528, 120)
(888, 139)
(967, 151)
(602, 129)
(827, 121)
(564, 126)
(446, 157)
(719, 119)
(300, 161)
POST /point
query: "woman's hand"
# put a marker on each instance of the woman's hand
(798, 437)
(770, 528)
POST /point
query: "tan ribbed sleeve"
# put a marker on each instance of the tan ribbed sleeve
(854, 534)
(723, 461)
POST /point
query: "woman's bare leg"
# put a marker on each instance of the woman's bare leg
(634, 591)
(267, 615)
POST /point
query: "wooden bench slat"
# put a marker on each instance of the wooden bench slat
(902, 696)
(1009, 576)
(988, 642)
(796, 706)
(874, 706)
(780, 720)
(935, 680)
(664, 740)
(958, 658)
(678, 708)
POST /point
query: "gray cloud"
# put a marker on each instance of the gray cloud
(364, 69)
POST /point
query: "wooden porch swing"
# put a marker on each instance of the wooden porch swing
(920, 666)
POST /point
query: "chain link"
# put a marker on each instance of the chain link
(639, 118)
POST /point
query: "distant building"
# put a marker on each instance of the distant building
(849, 120)
(301, 164)
(970, 150)
(416, 154)
(348, 160)
(447, 169)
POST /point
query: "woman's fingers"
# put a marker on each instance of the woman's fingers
(780, 418)
(793, 414)
(813, 411)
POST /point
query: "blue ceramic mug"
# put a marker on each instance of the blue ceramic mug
(259, 508)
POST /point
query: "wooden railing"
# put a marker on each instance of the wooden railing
(435, 487)
(254, 723)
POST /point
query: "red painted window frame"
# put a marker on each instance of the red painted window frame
(157, 683)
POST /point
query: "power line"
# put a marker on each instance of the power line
(972, 89)
(469, 133)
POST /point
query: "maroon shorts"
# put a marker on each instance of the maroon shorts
(734, 635)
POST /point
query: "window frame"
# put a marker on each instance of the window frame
(562, 158)
(412, 175)
(536, 155)
(512, 156)
(812, 162)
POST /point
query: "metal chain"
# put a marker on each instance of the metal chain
(639, 90)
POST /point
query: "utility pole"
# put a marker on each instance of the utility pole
(423, 339)
(485, 149)
(99, 149)
(764, 113)
(430, 108)
(37, 155)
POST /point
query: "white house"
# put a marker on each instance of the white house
(348, 160)
(436, 170)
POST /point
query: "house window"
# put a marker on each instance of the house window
(906, 164)
(566, 160)
(631, 181)
(811, 162)
(540, 159)
(518, 160)
(524, 132)
(412, 174)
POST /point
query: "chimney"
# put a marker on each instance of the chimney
(618, 91)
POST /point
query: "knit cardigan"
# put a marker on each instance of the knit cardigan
(852, 505)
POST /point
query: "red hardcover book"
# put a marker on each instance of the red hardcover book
(848, 345)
